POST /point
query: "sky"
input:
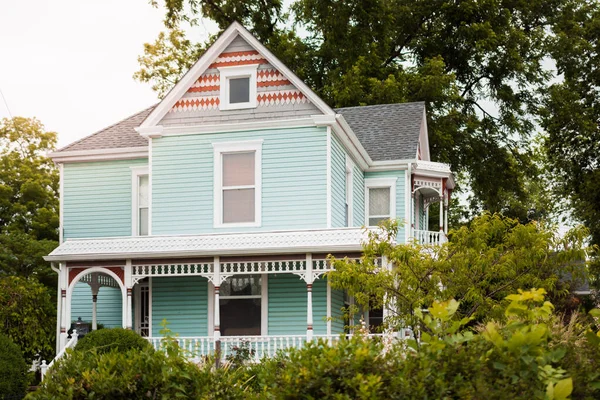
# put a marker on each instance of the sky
(70, 63)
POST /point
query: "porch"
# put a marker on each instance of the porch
(195, 348)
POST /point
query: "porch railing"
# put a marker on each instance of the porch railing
(70, 344)
(429, 237)
(259, 346)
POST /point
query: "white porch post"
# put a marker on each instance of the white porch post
(441, 214)
(129, 287)
(94, 308)
(217, 284)
(309, 307)
(63, 282)
(386, 311)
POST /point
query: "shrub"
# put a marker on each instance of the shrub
(138, 374)
(14, 376)
(106, 340)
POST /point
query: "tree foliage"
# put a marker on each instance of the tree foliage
(28, 316)
(571, 114)
(28, 199)
(479, 65)
(480, 265)
(13, 370)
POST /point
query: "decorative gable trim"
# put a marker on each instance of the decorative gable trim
(214, 57)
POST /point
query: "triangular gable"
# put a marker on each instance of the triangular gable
(197, 93)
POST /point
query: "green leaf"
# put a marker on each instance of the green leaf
(563, 389)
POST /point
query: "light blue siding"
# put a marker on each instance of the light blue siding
(109, 307)
(338, 184)
(400, 196)
(358, 197)
(287, 305)
(97, 198)
(294, 180)
(183, 302)
(320, 306)
(337, 303)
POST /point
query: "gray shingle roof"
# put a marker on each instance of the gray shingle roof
(387, 131)
(116, 136)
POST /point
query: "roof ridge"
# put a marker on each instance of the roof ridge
(381, 105)
(104, 129)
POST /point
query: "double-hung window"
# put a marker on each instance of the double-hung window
(140, 185)
(237, 178)
(240, 305)
(380, 200)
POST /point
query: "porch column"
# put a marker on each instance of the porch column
(446, 218)
(129, 286)
(309, 307)
(94, 310)
(63, 280)
(441, 214)
(386, 311)
(217, 283)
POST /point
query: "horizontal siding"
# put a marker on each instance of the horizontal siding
(97, 198)
(293, 180)
(183, 302)
(287, 305)
(320, 307)
(337, 303)
(358, 197)
(109, 307)
(338, 184)
(400, 196)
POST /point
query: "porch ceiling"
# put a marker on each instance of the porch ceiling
(280, 242)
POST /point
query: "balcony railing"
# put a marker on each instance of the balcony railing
(259, 346)
(429, 237)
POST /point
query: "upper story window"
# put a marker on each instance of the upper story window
(237, 195)
(380, 200)
(237, 87)
(140, 183)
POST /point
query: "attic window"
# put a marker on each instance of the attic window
(237, 87)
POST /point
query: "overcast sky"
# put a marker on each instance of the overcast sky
(70, 62)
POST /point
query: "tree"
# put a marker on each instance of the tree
(477, 64)
(28, 199)
(28, 316)
(480, 265)
(571, 115)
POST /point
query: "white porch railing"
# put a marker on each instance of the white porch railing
(429, 237)
(70, 344)
(259, 346)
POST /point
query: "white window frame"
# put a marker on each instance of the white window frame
(136, 172)
(221, 148)
(349, 177)
(241, 71)
(264, 304)
(380, 183)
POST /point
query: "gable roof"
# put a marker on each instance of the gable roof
(205, 61)
(387, 131)
(116, 136)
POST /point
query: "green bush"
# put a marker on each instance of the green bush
(106, 340)
(14, 376)
(138, 374)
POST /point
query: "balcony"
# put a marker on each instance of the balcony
(429, 237)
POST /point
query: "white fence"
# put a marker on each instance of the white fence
(258, 346)
(429, 237)
(70, 344)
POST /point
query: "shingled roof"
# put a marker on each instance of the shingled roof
(387, 131)
(117, 136)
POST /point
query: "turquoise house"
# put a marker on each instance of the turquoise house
(215, 209)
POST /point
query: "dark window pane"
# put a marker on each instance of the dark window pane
(241, 285)
(238, 205)
(240, 317)
(239, 90)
